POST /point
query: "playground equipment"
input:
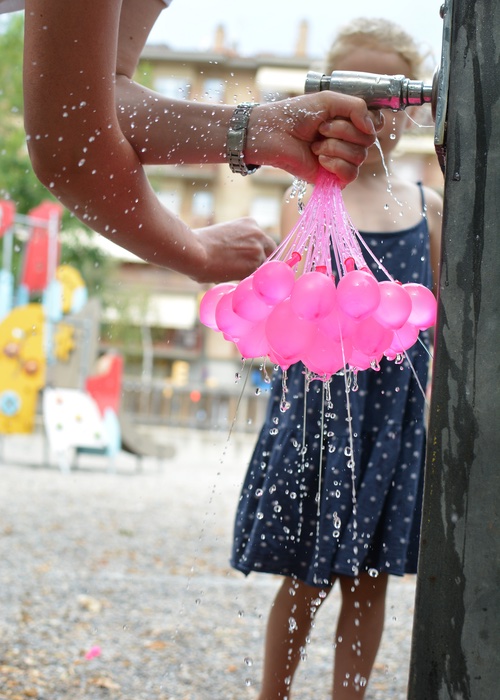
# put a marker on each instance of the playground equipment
(25, 329)
(22, 367)
(51, 346)
(85, 421)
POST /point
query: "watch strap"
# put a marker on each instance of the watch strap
(237, 137)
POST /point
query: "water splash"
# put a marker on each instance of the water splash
(386, 170)
(284, 403)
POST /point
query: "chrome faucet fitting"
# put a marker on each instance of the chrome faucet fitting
(379, 91)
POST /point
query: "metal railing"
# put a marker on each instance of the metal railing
(157, 403)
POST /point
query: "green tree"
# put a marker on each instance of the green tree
(17, 179)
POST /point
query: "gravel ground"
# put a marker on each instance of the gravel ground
(130, 567)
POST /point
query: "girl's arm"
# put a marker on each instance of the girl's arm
(434, 204)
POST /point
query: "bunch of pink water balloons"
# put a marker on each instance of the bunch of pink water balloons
(290, 309)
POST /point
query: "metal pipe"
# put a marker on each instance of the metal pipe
(378, 91)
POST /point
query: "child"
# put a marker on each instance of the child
(309, 522)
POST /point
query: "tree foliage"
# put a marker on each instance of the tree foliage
(17, 179)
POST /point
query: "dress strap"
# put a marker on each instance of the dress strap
(422, 197)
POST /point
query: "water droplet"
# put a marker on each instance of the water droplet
(248, 661)
(373, 573)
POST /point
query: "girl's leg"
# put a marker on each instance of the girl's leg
(288, 626)
(359, 631)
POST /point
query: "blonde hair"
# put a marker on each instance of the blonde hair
(375, 33)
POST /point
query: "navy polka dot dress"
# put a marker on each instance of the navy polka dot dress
(309, 508)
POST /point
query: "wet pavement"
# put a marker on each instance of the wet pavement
(115, 583)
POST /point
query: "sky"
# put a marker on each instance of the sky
(271, 26)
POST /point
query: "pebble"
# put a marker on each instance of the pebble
(133, 562)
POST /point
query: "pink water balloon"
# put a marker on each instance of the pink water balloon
(209, 303)
(280, 361)
(358, 294)
(232, 325)
(358, 360)
(394, 306)
(254, 343)
(273, 281)
(247, 304)
(424, 306)
(289, 336)
(403, 339)
(371, 338)
(325, 357)
(337, 325)
(313, 296)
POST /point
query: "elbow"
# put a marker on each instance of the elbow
(62, 171)
(48, 165)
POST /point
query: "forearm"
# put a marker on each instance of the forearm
(110, 193)
(279, 134)
(163, 130)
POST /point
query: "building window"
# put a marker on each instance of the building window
(266, 212)
(171, 199)
(213, 90)
(175, 88)
(203, 204)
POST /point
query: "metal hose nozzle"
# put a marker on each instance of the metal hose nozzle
(378, 91)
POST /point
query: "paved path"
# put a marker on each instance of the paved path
(135, 563)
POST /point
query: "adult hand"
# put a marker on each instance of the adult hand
(233, 250)
(302, 133)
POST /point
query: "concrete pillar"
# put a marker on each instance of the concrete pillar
(456, 642)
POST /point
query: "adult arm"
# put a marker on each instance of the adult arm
(91, 157)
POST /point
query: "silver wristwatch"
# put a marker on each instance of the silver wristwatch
(236, 139)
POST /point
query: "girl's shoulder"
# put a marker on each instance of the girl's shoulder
(432, 197)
